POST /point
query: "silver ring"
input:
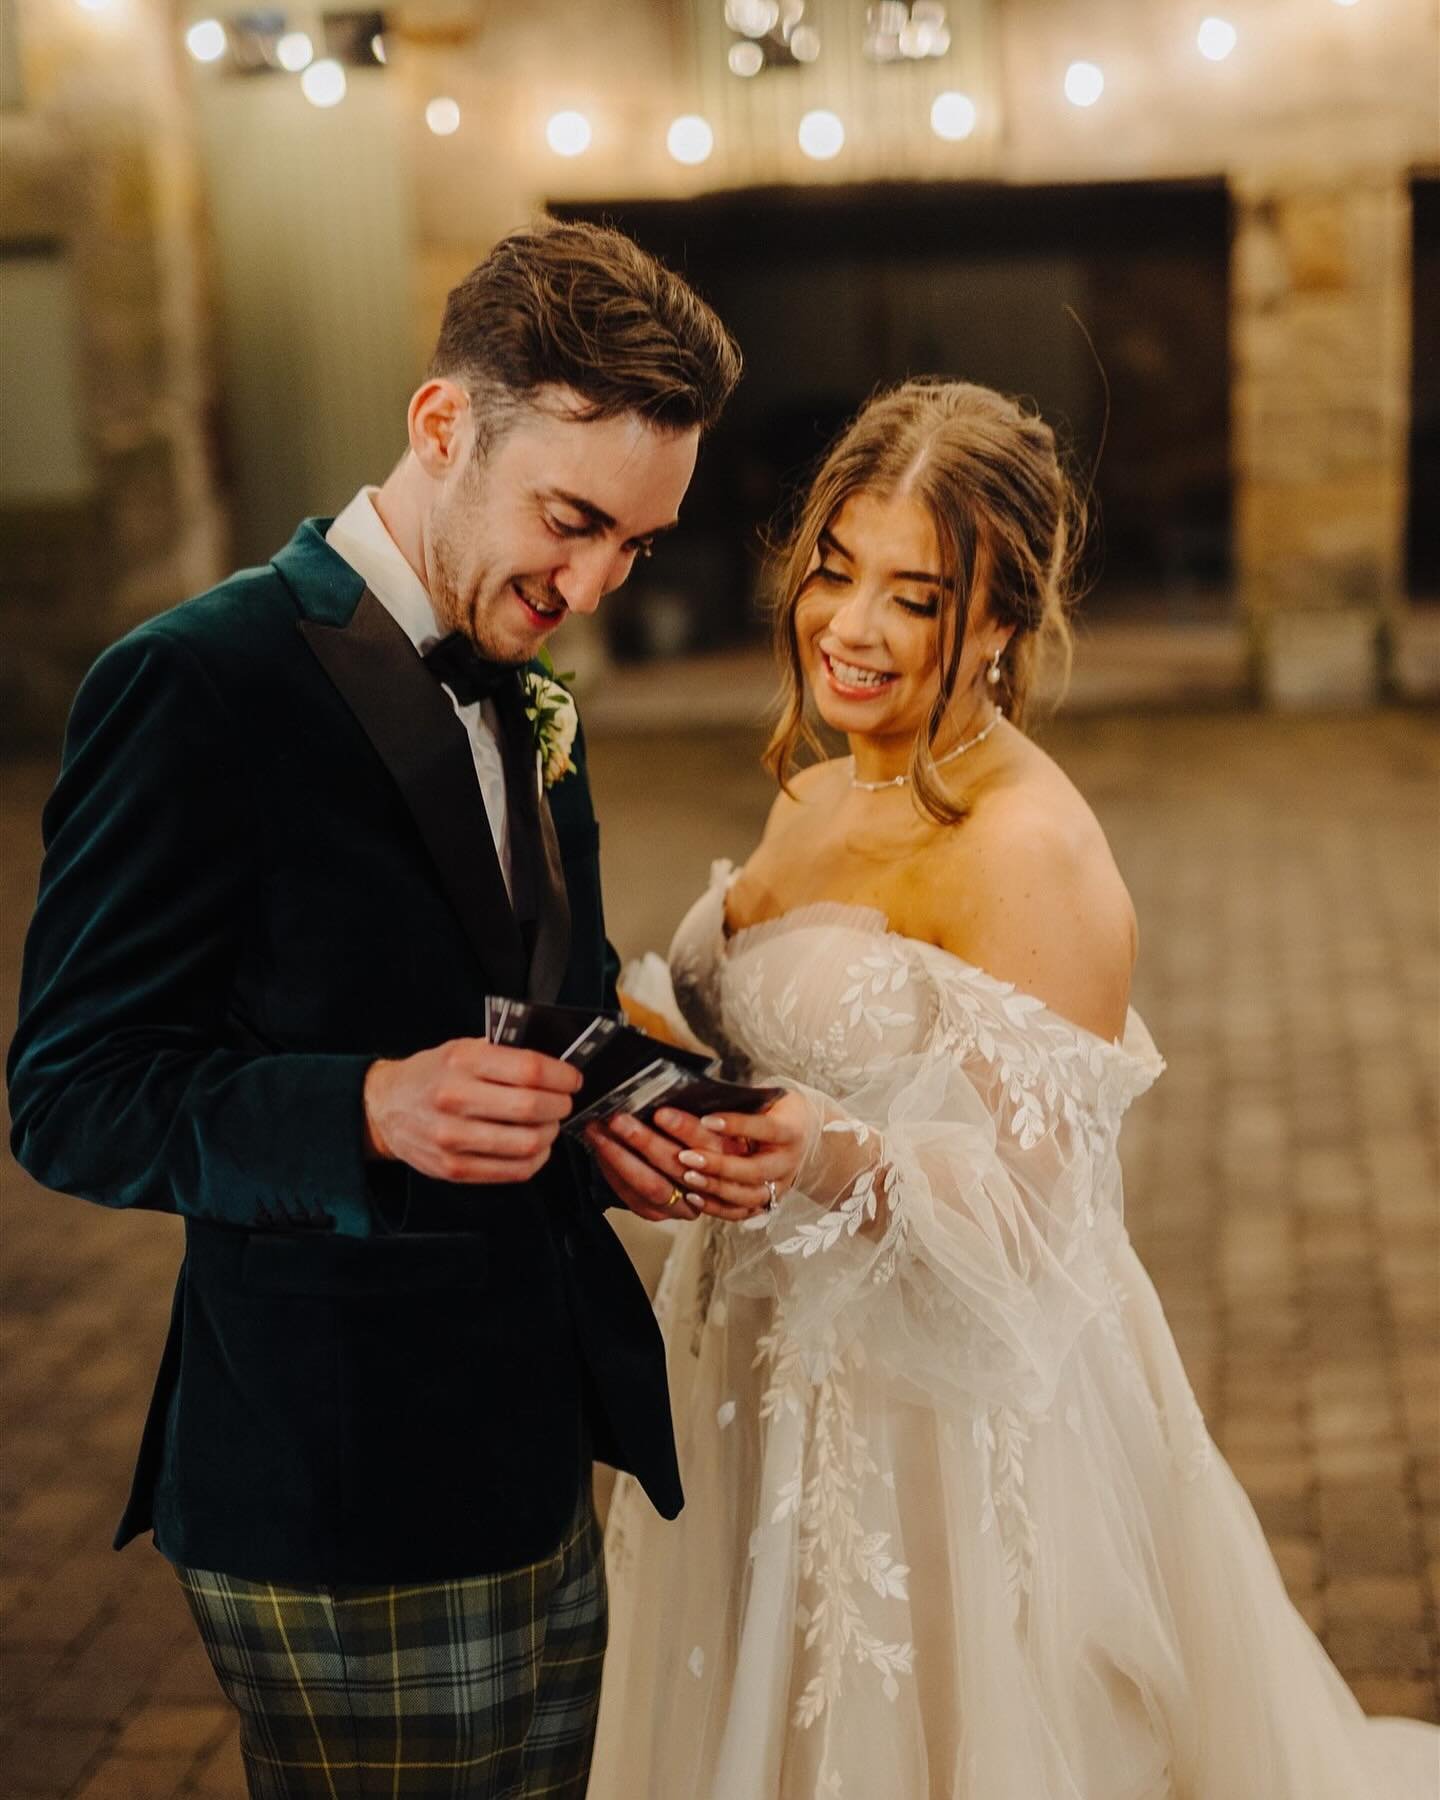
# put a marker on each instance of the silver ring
(774, 1197)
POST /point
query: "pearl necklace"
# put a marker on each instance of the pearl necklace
(873, 787)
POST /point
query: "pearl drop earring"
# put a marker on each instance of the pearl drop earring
(992, 674)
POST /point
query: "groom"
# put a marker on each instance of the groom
(297, 837)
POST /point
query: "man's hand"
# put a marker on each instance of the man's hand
(642, 1168)
(468, 1111)
(646, 1167)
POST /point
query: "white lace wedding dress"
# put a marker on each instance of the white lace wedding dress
(954, 1525)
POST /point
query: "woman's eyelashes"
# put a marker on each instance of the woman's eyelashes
(922, 609)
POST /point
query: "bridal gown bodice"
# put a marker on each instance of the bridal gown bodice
(954, 1525)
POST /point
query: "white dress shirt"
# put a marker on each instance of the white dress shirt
(359, 535)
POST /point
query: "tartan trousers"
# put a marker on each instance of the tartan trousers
(483, 1688)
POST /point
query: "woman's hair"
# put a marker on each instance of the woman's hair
(1010, 527)
(584, 307)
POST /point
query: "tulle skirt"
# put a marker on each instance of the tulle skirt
(872, 1595)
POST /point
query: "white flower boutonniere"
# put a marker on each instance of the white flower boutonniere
(553, 719)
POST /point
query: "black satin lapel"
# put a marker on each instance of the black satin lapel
(551, 953)
(408, 719)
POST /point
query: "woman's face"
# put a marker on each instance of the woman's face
(867, 622)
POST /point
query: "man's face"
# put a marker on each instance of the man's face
(549, 521)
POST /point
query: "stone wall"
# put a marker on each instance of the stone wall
(1316, 121)
(98, 165)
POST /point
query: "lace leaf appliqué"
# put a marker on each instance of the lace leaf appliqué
(839, 1560)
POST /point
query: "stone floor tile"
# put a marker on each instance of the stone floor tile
(49, 1759)
(125, 1778)
(1280, 1184)
(164, 1728)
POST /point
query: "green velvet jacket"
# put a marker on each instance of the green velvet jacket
(268, 863)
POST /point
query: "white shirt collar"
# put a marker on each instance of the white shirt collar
(359, 535)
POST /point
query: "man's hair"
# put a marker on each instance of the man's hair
(583, 307)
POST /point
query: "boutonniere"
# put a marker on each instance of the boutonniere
(553, 719)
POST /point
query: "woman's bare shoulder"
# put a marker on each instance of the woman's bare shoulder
(1027, 889)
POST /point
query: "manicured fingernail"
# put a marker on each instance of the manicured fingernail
(694, 1180)
(692, 1159)
(621, 1124)
(666, 1119)
(713, 1124)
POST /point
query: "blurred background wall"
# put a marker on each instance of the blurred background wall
(225, 239)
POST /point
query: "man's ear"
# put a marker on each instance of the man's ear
(441, 426)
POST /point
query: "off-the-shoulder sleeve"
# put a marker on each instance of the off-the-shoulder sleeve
(953, 1211)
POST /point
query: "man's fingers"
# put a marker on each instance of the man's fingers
(512, 1067)
(654, 1147)
(468, 1098)
(647, 1185)
(467, 1137)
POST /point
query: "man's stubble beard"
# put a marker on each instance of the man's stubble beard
(453, 613)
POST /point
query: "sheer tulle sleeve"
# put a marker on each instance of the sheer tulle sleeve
(955, 1208)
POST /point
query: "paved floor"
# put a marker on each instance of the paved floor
(1282, 1182)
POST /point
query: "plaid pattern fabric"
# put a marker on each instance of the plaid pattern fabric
(485, 1688)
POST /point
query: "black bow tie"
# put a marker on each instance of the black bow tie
(468, 675)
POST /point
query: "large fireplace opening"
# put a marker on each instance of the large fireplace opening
(1055, 293)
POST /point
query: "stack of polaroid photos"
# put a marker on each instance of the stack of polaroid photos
(624, 1070)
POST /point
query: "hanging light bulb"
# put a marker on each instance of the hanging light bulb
(443, 117)
(568, 133)
(952, 117)
(206, 40)
(805, 43)
(377, 48)
(747, 58)
(323, 83)
(821, 135)
(1216, 38)
(752, 18)
(1084, 83)
(690, 139)
(294, 52)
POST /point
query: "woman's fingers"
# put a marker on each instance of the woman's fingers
(688, 1131)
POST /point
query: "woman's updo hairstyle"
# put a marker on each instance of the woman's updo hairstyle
(1010, 527)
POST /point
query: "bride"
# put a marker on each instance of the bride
(955, 1526)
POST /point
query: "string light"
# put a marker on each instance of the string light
(1216, 38)
(1084, 83)
(805, 43)
(746, 58)
(752, 18)
(377, 48)
(821, 135)
(294, 52)
(568, 133)
(443, 117)
(323, 83)
(206, 40)
(690, 139)
(952, 117)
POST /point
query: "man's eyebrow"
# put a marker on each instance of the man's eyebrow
(598, 516)
(829, 541)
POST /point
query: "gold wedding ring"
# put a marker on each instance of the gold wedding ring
(676, 1196)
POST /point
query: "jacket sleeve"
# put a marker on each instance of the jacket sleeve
(123, 1089)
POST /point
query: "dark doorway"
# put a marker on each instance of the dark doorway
(835, 291)
(1423, 535)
